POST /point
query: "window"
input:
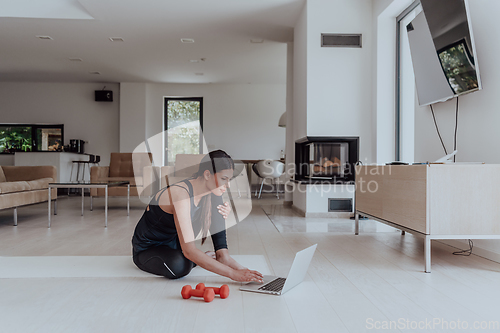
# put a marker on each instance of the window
(30, 137)
(183, 127)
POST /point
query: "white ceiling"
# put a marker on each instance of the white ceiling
(152, 50)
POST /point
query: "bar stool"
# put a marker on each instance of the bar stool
(93, 159)
(79, 165)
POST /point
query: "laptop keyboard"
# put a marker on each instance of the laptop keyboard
(275, 285)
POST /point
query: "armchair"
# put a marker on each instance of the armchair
(185, 166)
(133, 167)
(188, 164)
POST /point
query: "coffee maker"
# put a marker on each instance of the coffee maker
(76, 146)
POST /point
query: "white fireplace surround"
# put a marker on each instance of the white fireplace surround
(311, 200)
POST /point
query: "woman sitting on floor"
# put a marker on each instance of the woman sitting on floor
(163, 241)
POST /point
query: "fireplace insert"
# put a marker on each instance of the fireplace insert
(326, 158)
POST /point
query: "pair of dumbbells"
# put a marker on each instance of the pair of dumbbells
(208, 293)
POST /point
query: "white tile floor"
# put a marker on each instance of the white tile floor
(354, 284)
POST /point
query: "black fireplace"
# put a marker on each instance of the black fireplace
(326, 158)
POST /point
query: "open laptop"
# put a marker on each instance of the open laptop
(278, 286)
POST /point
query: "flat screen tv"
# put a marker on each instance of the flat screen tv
(443, 51)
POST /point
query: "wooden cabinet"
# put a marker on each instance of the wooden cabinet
(435, 201)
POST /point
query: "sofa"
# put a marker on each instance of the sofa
(25, 185)
(135, 168)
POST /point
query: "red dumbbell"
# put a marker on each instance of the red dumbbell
(223, 291)
(208, 294)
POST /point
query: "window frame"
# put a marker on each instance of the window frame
(398, 108)
(165, 121)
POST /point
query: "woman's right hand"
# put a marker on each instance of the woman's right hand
(246, 275)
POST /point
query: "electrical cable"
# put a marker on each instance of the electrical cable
(466, 252)
(437, 129)
(456, 127)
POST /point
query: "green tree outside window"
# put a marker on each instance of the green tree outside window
(183, 128)
(15, 138)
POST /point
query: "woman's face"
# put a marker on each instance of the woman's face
(219, 182)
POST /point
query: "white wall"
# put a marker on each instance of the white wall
(479, 112)
(339, 98)
(132, 115)
(71, 104)
(241, 119)
(300, 77)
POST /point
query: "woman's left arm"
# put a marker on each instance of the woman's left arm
(223, 257)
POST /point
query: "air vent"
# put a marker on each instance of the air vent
(187, 40)
(45, 37)
(76, 59)
(341, 40)
(116, 39)
(339, 205)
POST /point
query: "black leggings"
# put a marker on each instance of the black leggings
(164, 261)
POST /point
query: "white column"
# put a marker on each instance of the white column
(290, 143)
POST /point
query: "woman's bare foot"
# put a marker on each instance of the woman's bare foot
(211, 254)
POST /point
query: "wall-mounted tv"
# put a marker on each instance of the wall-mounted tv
(443, 51)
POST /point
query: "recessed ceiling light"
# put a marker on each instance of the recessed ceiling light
(116, 39)
(95, 73)
(199, 74)
(45, 37)
(256, 41)
(194, 60)
(187, 40)
(76, 59)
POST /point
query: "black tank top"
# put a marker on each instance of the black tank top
(156, 227)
